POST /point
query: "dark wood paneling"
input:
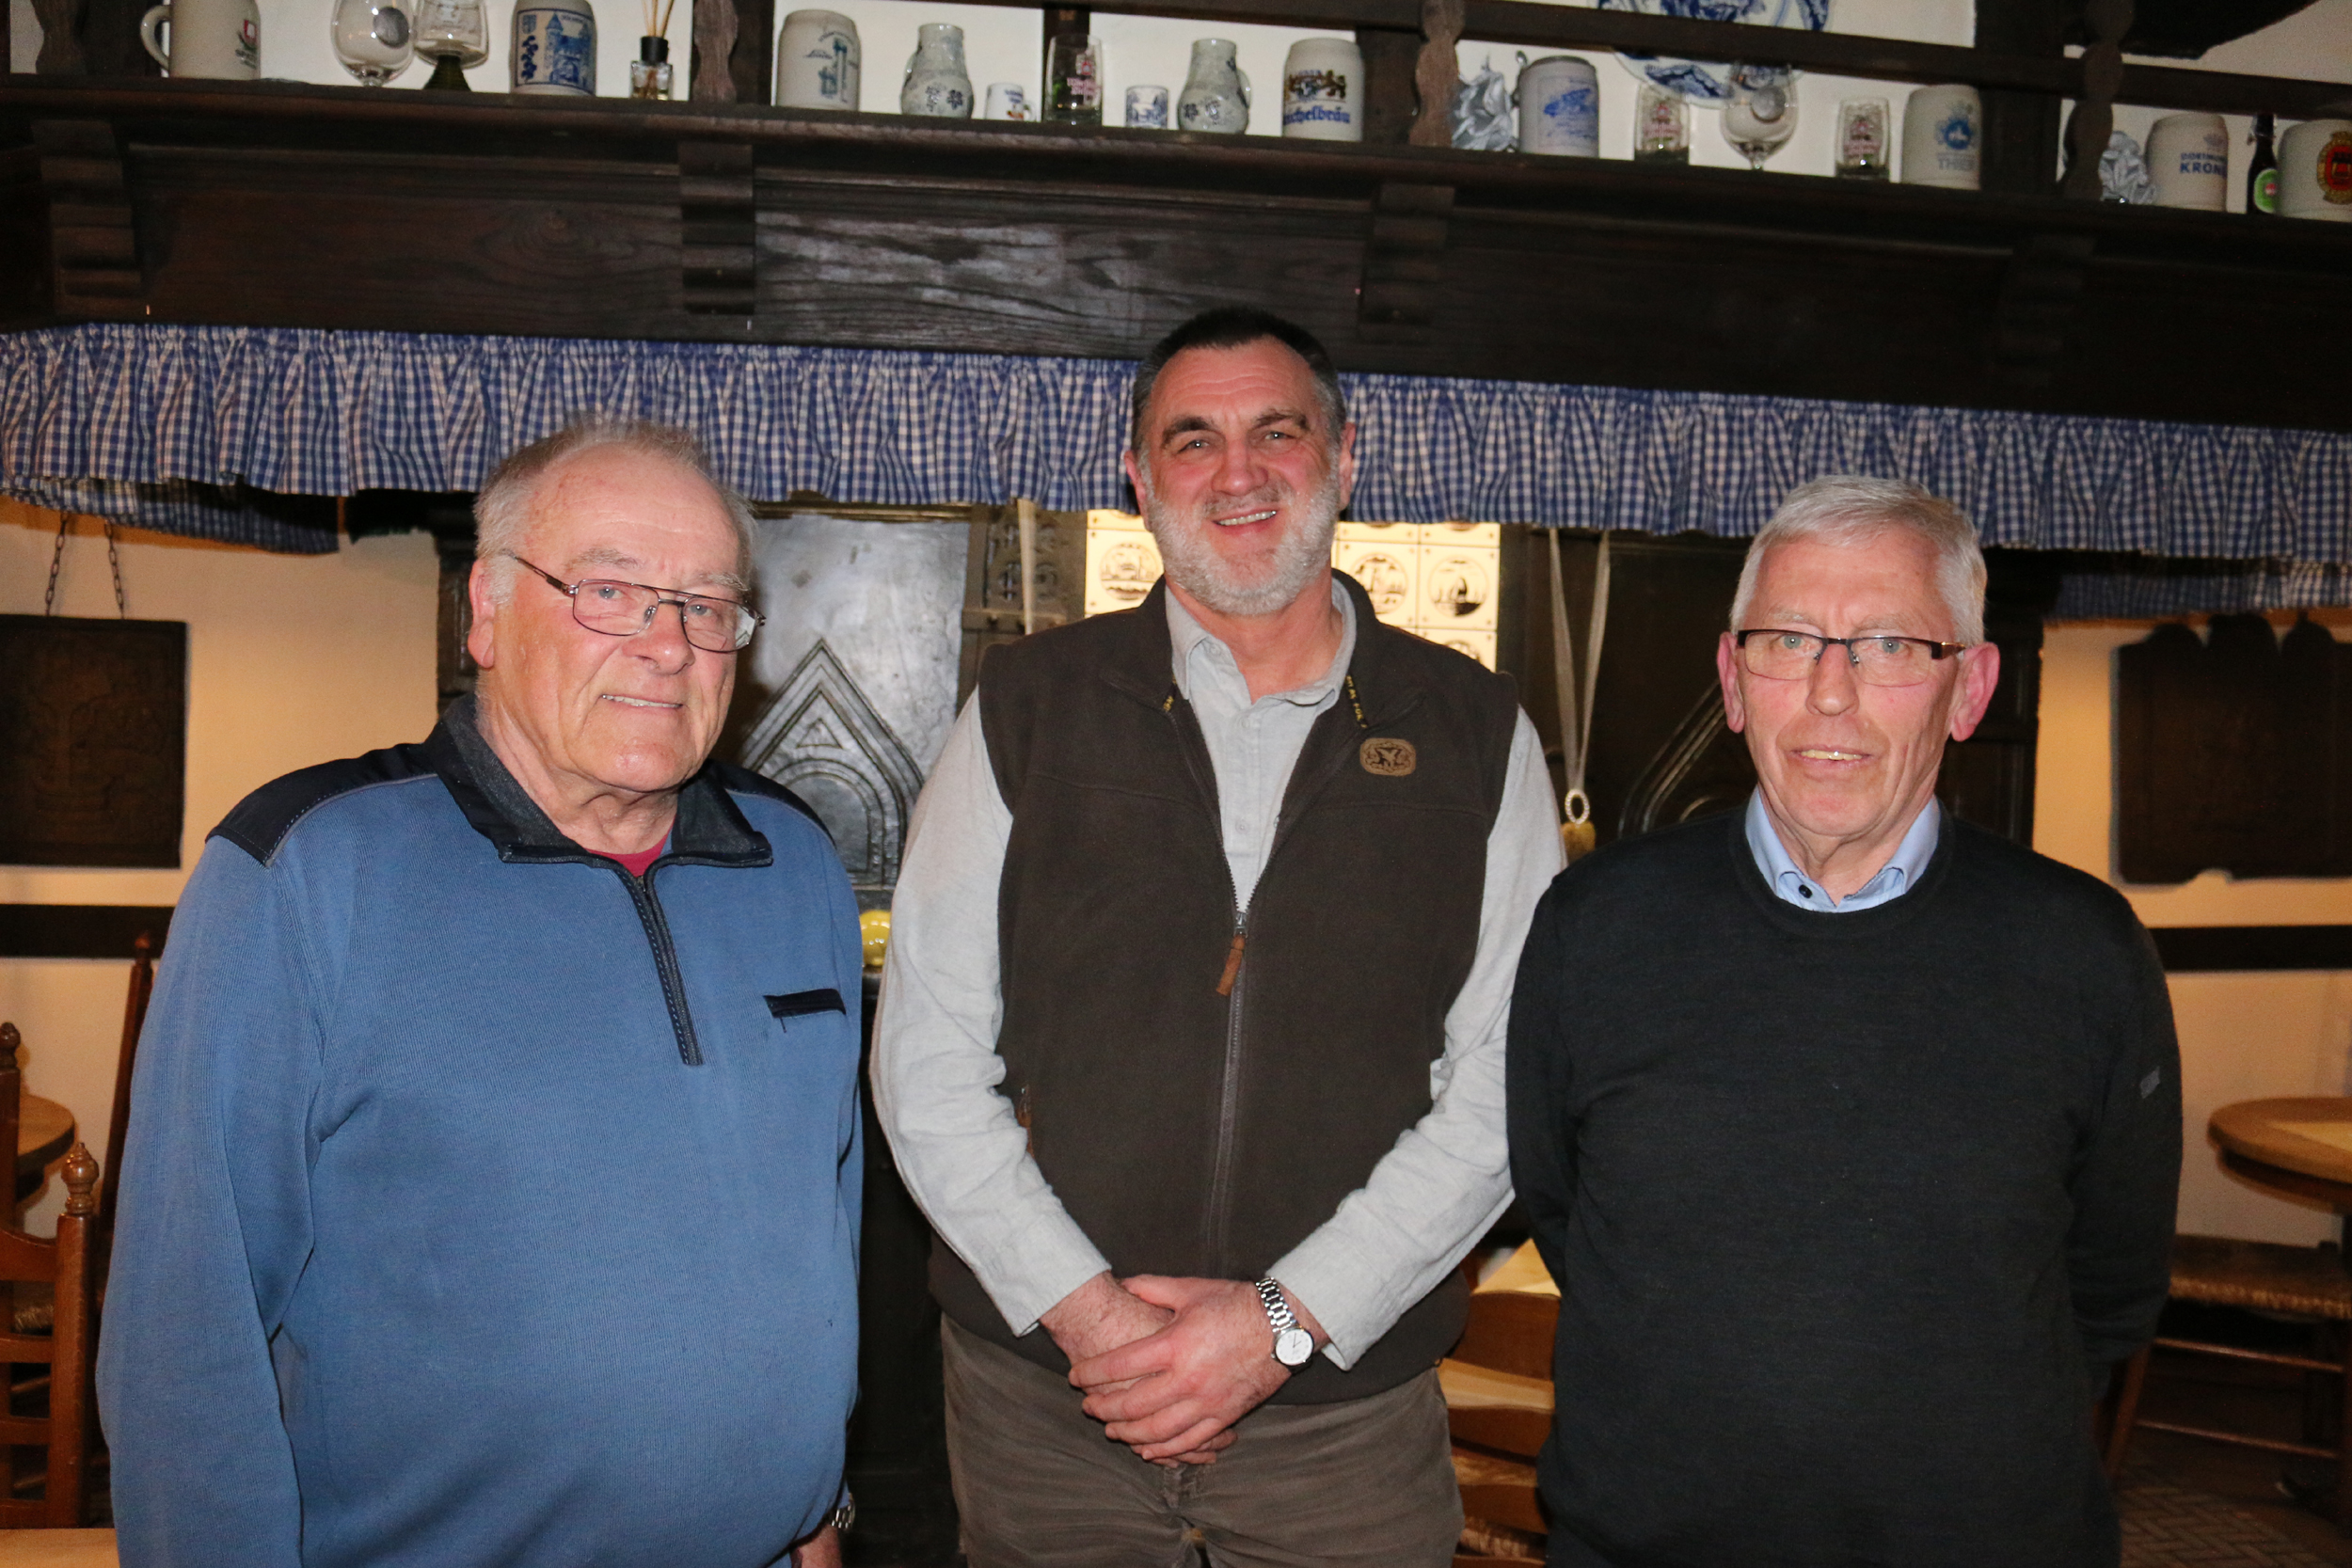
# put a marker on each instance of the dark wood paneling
(2229, 753)
(506, 215)
(2253, 948)
(80, 930)
(93, 740)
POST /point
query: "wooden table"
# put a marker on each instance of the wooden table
(44, 1131)
(2298, 1148)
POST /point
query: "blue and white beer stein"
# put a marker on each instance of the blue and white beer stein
(555, 48)
(1559, 107)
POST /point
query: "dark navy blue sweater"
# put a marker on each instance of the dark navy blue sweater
(484, 1204)
(1849, 1213)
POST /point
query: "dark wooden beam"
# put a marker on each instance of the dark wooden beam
(876, 231)
(1390, 102)
(2192, 948)
(750, 58)
(2021, 128)
(80, 930)
(93, 235)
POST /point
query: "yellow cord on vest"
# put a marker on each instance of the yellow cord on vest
(1350, 681)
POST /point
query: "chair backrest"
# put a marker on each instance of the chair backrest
(12, 1106)
(62, 1425)
(118, 1124)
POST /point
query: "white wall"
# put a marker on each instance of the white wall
(292, 660)
(2243, 1036)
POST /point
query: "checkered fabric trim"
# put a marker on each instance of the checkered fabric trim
(124, 418)
(2143, 590)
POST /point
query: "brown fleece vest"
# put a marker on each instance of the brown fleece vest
(1201, 1093)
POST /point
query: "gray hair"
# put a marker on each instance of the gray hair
(506, 507)
(1848, 509)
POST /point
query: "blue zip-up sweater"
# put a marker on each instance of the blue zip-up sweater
(483, 1203)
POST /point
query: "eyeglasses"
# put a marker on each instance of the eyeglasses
(1877, 661)
(626, 608)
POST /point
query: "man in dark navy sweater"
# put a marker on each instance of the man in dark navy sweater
(1850, 1131)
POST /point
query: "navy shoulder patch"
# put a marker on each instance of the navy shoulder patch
(737, 780)
(262, 819)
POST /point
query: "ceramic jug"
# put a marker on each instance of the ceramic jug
(554, 48)
(936, 82)
(816, 61)
(1216, 93)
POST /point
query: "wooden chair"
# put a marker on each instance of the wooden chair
(1497, 1396)
(2304, 1282)
(49, 1410)
(117, 1123)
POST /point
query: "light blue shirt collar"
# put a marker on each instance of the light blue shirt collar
(1893, 881)
(1188, 640)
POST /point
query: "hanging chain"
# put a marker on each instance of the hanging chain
(122, 605)
(56, 560)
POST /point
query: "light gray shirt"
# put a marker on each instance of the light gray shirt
(1893, 881)
(936, 1070)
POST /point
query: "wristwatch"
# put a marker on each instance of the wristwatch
(1291, 1343)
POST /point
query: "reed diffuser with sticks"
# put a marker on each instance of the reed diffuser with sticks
(649, 74)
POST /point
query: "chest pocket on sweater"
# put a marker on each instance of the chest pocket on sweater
(804, 1004)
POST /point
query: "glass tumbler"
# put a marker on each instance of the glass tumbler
(1073, 80)
(1863, 149)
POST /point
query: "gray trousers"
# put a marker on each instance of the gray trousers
(1039, 1485)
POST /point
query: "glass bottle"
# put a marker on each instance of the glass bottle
(2261, 174)
(649, 73)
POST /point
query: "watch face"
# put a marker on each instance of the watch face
(1292, 1346)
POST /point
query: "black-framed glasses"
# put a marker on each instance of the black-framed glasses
(625, 608)
(1879, 659)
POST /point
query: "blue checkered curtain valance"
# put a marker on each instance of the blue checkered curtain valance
(193, 429)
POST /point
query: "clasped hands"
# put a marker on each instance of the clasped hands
(1169, 1365)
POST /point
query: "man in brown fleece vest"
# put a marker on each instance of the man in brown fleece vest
(1191, 1031)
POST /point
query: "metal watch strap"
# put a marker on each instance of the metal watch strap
(1292, 1344)
(1277, 1306)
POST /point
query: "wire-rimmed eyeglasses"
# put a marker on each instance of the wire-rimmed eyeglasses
(1879, 659)
(626, 608)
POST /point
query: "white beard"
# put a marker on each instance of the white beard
(1264, 584)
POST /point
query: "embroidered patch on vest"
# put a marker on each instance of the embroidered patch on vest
(1387, 757)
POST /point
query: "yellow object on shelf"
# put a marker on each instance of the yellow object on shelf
(873, 928)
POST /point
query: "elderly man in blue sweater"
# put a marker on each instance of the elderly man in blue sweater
(492, 1184)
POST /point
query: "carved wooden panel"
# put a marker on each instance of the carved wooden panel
(2229, 753)
(847, 693)
(93, 740)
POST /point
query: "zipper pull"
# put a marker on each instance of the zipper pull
(1233, 966)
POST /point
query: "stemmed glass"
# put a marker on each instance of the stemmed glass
(374, 40)
(1760, 115)
(454, 35)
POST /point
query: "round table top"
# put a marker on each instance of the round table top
(2310, 1136)
(44, 1131)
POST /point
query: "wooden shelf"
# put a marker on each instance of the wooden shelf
(276, 204)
